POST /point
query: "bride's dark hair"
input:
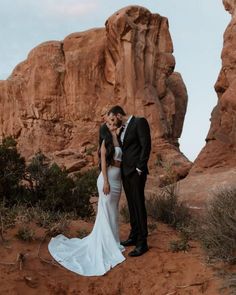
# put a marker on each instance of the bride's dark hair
(106, 136)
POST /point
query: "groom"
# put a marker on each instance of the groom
(136, 146)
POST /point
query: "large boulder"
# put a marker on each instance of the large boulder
(55, 99)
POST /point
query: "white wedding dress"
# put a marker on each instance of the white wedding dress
(98, 252)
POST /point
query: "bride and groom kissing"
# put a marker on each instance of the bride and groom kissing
(124, 149)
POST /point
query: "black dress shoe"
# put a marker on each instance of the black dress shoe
(138, 251)
(129, 242)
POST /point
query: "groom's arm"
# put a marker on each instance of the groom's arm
(144, 137)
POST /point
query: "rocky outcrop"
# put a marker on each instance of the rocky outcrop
(219, 152)
(55, 99)
(230, 6)
(215, 167)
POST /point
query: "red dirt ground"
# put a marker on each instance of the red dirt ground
(157, 272)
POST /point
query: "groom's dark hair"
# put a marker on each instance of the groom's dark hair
(116, 110)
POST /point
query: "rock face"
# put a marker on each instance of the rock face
(55, 99)
(219, 152)
(215, 167)
(197, 189)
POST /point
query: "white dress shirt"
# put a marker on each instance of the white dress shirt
(122, 136)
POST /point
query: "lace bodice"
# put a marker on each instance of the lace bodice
(118, 153)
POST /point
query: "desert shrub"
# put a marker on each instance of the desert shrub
(90, 150)
(87, 181)
(218, 231)
(151, 226)
(53, 190)
(21, 214)
(159, 161)
(44, 184)
(50, 185)
(47, 218)
(230, 283)
(227, 276)
(170, 174)
(25, 234)
(59, 227)
(12, 170)
(179, 245)
(165, 207)
(167, 169)
(7, 217)
(16, 214)
(124, 213)
(85, 187)
(58, 190)
(36, 173)
(81, 233)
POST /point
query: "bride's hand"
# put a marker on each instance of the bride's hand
(106, 188)
(118, 130)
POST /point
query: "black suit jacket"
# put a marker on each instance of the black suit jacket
(136, 146)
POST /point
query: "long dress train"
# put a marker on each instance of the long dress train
(98, 252)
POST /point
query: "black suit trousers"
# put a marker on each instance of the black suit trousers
(134, 185)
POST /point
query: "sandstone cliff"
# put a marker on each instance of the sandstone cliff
(55, 99)
(219, 152)
(215, 166)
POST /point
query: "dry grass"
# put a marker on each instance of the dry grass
(179, 245)
(218, 231)
(165, 207)
(230, 283)
(81, 233)
(25, 234)
(54, 222)
(60, 227)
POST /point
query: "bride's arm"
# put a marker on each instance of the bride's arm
(106, 186)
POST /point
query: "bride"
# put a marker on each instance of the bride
(98, 252)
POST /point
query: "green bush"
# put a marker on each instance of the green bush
(52, 188)
(45, 184)
(218, 232)
(12, 170)
(87, 181)
(37, 176)
(85, 187)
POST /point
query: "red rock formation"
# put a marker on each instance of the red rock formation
(215, 167)
(220, 149)
(54, 100)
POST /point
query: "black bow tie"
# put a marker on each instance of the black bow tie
(122, 128)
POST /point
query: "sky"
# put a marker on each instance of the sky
(196, 27)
